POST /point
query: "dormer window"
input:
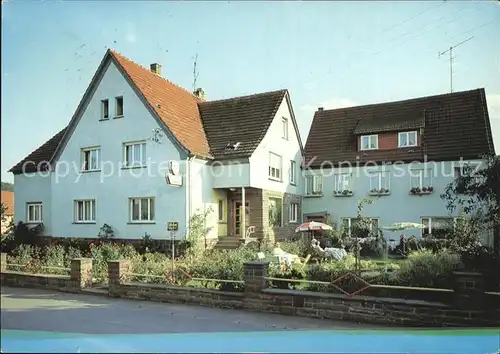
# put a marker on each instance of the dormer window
(369, 142)
(407, 139)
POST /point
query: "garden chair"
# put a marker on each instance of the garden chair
(250, 231)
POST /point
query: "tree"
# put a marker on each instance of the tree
(477, 192)
(6, 186)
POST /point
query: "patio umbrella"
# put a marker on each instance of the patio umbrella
(399, 226)
(312, 226)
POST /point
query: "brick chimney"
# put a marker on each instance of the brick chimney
(320, 109)
(155, 68)
(199, 93)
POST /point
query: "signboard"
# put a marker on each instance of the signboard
(172, 226)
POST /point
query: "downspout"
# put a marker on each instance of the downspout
(189, 193)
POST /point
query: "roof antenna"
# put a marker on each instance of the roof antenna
(450, 50)
(195, 71)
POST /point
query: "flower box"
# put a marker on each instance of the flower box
(379, 192)
(421, 191)
(344, 193)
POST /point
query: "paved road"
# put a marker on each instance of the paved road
(39, 310)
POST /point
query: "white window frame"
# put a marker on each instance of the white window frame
(104, 108)
(275, 170)
(34, 206)
(340, 181)
(407, 135)
(220, 207)
(380, 185)
(91, 151)
(418, 178)
(293, 172)
(370, 138)
(429, 227)
(150, 218)
(293, 214)
(349, 223)
(142, 154)
(316, 184)
(85, 204)
(117, 99)
(284, 123)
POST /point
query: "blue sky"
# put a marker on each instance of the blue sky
(330, 54)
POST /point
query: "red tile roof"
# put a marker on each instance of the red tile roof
(175, 106)
(7, 199)
(181, 111)
(456, 125)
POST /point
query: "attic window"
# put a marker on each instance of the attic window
(407, 139)
(104, 109)
(232, 147)
(369, 142)
(119, 107)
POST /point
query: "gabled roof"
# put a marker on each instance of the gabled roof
(7, 199)
(175, 106)
(244, 120)
(455, 125)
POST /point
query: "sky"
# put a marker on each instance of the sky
(328, 54)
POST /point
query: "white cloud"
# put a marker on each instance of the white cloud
(493, 101)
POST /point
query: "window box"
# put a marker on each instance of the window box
(379, 192)
(421, 191)
(343, 193)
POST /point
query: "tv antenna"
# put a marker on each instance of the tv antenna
(195, 71)
(450, 51)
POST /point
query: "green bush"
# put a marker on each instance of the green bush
(427, 269)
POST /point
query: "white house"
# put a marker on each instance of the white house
(140, 152)
(403, 154)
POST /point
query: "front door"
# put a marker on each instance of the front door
(237, 217)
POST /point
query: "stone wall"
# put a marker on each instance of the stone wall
(80, 277)
(257, 297)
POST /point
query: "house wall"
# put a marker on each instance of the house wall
(113, 185)
(287, 149)
(230, 174)
(32, 188)
(399, 206)
(203, 199)
(388, 141)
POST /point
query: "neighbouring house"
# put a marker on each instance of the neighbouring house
(7, 200)
(140, 152)
(402, 153)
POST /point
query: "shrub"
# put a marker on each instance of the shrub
(427, 269)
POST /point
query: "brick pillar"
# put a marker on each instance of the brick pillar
(3, 262)
(118, 273)
(81, 272)
(468, 291)
(254, 274)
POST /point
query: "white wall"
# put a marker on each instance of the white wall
(32, 188)
(399, 206)
(113, 186)
(203, 197)
(287, 149)
(230, 174)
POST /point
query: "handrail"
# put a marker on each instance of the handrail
(190, 278)
(43, 267)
